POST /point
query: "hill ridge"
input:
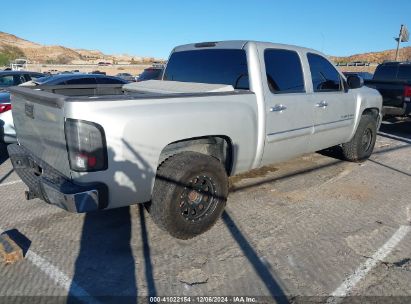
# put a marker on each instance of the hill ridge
(12, 47)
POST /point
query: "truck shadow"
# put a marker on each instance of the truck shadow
(262, 270)
(4, 155)
(105, 266)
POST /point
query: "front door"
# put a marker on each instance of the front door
(333, 105)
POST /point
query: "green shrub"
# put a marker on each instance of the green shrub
(8, 53)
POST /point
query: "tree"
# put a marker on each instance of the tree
(8, 53)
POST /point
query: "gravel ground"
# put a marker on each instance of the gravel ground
(299, 231)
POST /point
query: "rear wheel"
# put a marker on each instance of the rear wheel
(362, 144)
(189, 194)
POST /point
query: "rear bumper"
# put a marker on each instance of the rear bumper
(49, 185)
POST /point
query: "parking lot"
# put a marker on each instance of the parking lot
(313, 227)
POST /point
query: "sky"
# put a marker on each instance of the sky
(153, 28)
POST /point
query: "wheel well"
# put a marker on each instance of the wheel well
(219, 147)
(373, 111)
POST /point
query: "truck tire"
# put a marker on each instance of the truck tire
(189, 195)
(362, 144)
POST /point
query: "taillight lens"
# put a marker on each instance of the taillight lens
(407, 91)
(86, 145)
(5, 108)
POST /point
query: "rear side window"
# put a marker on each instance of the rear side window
(218, 66)
(11, 80)
(386, 72)
(82, 81)
(404, 72)
(324, 76)
(284, 71)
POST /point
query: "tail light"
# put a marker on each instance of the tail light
(86, 145)
(407, 93)
(5, 108)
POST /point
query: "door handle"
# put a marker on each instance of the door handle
(278, 108)
(322, 104)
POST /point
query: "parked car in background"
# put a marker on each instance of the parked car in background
(393, 81)
(73, 79)
(354, 63)
(98, 72)
(126, 76)
(170, 143)
(152, 73)
(363, 75)
(9, 79)
(7, 131)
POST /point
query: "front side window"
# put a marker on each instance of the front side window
(218, 66)
(324, 76)
(284, 71)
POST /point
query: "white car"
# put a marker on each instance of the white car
(7, 132)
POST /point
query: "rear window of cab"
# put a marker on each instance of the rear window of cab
(216, 66)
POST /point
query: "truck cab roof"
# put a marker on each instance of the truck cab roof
(239, 44)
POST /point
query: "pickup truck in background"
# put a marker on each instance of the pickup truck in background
(393, 81)
(222, 108)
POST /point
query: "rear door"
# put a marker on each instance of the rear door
(289, 120)
(334, 107)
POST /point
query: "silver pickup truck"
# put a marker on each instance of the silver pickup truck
(222, 108)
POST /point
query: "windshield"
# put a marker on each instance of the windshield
(218, 66)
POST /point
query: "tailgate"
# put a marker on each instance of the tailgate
(391, 91)
(39, 121)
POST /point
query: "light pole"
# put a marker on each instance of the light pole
(403, 37)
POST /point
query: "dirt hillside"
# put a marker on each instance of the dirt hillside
(37, 53)
(376, 57)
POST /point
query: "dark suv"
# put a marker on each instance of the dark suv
(393, 81)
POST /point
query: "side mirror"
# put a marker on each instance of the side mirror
(355, 81)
